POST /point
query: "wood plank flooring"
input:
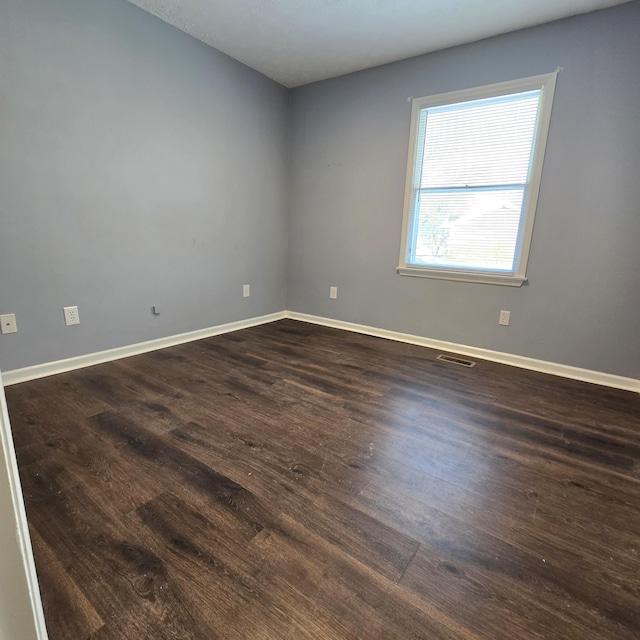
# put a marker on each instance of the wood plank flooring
(291, 481)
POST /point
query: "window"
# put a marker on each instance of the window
(475, 161)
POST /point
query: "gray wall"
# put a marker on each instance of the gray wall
(140, 167)
(349, 150)
(137, 167)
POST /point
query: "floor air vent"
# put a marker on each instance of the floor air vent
(461, 361)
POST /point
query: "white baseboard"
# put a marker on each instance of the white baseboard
(562, 370)
(21, 531)
(69, 364)
(553, 368)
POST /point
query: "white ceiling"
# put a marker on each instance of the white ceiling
(300, 41)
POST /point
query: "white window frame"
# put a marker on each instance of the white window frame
(546, 83)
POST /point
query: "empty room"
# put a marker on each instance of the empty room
(319, 319)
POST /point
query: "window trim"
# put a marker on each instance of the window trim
(546, 82)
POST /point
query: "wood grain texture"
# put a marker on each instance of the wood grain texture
(295, 481)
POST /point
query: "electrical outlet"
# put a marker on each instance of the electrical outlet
(246, 290)
(8, 323)
(504, 318)
(71, 315)
(333, 293)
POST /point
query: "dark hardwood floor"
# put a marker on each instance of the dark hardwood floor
(291, 481)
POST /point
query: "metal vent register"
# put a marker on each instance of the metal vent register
(454, 360)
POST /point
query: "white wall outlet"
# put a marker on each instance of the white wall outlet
(246, 290)
(333, 293)
(71, 315)
(8, 323)
(505, 318)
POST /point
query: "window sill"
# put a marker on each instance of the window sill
(463, 276)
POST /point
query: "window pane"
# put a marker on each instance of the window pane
(484, 142)
(467, 229)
